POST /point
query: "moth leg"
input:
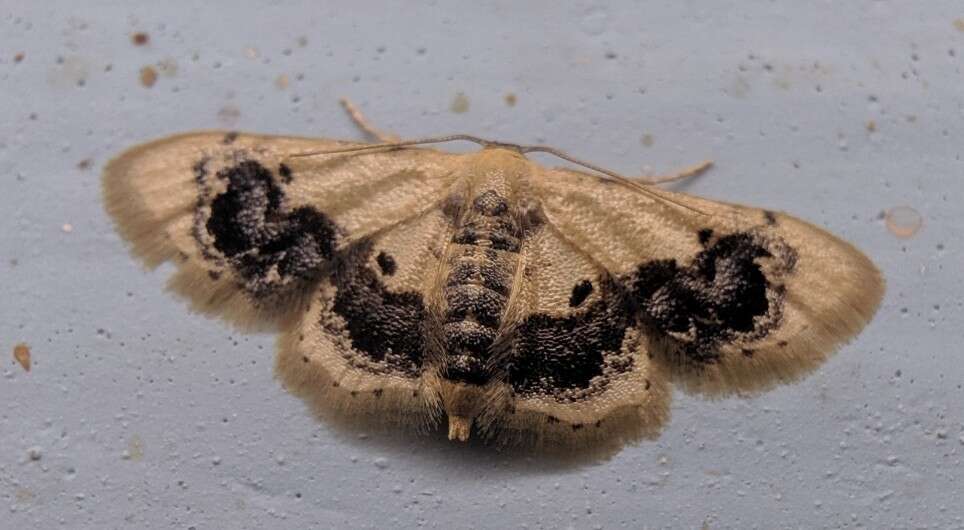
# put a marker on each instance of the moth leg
(694, 170)
(363, 123)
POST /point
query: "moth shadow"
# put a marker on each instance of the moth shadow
(432, 448)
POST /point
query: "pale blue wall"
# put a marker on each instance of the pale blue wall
(779, 93)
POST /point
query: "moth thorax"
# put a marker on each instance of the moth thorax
(498, 163)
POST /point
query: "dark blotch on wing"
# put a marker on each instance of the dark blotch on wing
(256, 233)
(708, 302)
(384, 325)
(200, 169)
(285, 173)
(554, 354)
(386, 263)
(580, 292)
(705, 235)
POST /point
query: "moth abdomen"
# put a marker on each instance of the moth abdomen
(473, 314)
(476, 301)
(484, 255)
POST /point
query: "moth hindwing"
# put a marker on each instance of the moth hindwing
(533, 305)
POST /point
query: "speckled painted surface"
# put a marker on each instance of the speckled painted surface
(137, 414)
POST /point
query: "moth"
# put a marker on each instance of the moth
(538, 306)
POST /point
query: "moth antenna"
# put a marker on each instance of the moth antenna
(521, 148)
(406, 143)
(630, 183)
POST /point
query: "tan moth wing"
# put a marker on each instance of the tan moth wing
(248, 226)
(358, 354)
(577, 365)
(730, 298)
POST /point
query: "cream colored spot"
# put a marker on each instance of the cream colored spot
(135, 449)
(903, 221)
(460, 103)
(167, 67)
(23, 495)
